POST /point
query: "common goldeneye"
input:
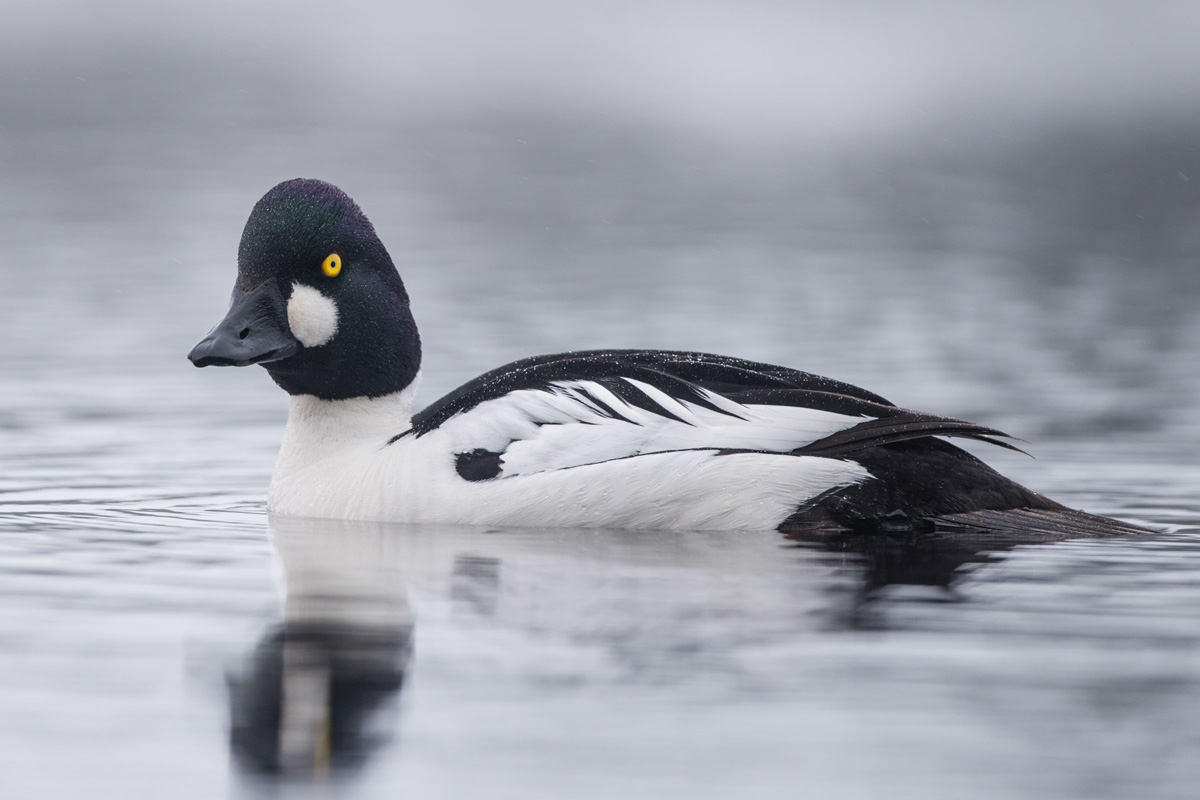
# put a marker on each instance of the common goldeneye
(614, 438)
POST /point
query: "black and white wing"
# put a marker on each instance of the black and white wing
(566, 410)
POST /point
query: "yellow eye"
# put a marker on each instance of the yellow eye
(332, 265)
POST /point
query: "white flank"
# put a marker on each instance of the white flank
(312, 317)
(586, 470)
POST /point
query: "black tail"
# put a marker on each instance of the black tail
(931, 485)
(1050, 524)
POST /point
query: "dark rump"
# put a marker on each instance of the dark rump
(913, 482)
(931, 486)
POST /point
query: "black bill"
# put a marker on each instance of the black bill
(254, 331)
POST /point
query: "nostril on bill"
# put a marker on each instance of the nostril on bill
(245, 332)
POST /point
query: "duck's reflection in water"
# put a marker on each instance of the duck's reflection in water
(937, 558)
(543, 612)
(315, 695)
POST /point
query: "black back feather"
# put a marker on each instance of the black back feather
(683, 374)
(677, 373)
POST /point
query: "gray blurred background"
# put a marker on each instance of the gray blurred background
(983, 209)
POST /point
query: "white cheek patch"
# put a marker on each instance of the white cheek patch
(312, 316)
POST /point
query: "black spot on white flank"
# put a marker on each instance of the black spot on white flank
(477, 465)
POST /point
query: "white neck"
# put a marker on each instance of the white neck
(328, 444)
(331, 422)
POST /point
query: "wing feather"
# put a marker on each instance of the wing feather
(571, 409)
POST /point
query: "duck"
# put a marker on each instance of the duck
(635, 439)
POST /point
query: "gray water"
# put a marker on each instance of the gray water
(1036, 274)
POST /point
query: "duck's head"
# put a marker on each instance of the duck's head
(317, 301)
